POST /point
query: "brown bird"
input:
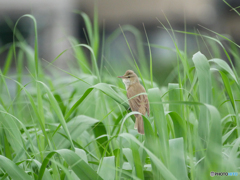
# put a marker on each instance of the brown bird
(139, 103)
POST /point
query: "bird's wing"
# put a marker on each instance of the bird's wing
(135, 103)
(138, 103)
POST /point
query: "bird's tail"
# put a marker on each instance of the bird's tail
(139, 124)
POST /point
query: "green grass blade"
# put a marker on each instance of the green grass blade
(160, 122)
(78, 165)
(106, 89)
(3, 83)
(205, 93)
(150, 57)
(76, 127)
(107, 168)
(159, 164)
(177, 159)
(179, 125)
(174, 95)
(58, 111)
(80, 56)
(12, 169)
(224, 72)
(213, 158)
(137, 160)
(229, 90)
(222, 64)
(96, 42)
(19, 70)
(152, 143)
(35, 40)
(13, 133)
(88, 24)
(8, 61)
(93, 35)
(99, 130)
(180, 129)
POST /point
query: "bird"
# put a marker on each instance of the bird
(138, 103)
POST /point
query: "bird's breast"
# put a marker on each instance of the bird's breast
(126, 82)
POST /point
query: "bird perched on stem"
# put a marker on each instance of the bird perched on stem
(137, 102)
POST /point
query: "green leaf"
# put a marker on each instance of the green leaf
(75, 127)
(180, 129)
(160, 122)
(204, 77)
(177, 110)
(177, 159)
(152, 143)
(128, 154)
(205, 95)
(100, 131)
(228, 89)
(213, 158)
(58, 111)
(107, 168)
(106, 89)
(80, 56)
(12, 169)
(78, 165)
(158, 163)
(174, 95)
(13, 133)
(137, 160)
(35, 41)
(8, 61)
(60, 102)
(225, 67)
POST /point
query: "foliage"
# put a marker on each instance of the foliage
(79, 126)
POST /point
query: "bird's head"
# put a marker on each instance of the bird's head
(129, 78)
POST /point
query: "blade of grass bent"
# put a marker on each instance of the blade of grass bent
(80, 56)
(92, 53)
(35, 41)
(58, 111)
(39, 94)
(78, 165)
(227, 70)
(205, 93)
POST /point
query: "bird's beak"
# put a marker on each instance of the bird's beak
(121, 76)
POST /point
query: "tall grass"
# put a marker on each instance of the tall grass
(79, 126)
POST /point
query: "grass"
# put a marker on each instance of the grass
(79, 126)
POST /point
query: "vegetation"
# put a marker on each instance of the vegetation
(76, 124)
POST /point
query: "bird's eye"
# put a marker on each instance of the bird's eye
(128, 77)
